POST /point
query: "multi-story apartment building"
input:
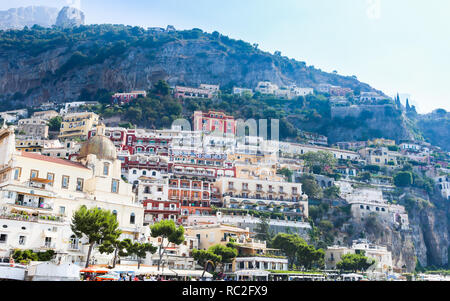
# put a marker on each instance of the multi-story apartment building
(33, 127)
(29, 144)
(383, 257)
(214, 121)
(443, 186)
(186, 92)
(266, 87)
(263, 195)
(56, 149)
(379, 156)
(46, 115)
(124, 98)
(77, 125)
(154, 194)
(201, 165)
(40, 195)
(193, 195)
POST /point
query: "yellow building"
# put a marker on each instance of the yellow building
(77, 125)
(31, 145)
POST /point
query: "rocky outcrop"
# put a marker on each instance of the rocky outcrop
(179, 61)
(70, 17)
(431, 236)
(18, 18)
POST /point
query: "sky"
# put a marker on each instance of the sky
(397, 46)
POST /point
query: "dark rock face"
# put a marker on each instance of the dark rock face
(18, 18)
(70, 17)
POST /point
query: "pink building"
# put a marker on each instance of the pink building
(214, 121)
(123, 98)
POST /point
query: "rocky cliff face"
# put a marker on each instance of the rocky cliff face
(431, 236)
(18, 18)
(144, 60)
(70, 17)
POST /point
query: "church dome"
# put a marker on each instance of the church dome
(100, 146)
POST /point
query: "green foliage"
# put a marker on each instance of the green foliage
(403, 179)
(54, 124)
(319, 161)
(286, 172)
(298, 251)
(263, 231)
(166, 229)
(227, 253)
(97, 225)
(332, 192)
(310, 187)
(354, 263)
(25, 256)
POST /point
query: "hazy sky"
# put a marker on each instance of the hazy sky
(393, 45)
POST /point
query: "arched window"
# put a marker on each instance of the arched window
(132, 218)
(114, 213)
(106, 169)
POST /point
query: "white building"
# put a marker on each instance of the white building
(39, 195)
(266, 88)
(443, 185)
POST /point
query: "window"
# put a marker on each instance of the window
(34, 174)
(65, 182)
(3, 238)
(115, 186)
(17, 173)
(21, 240)
(132, 218)
(62, 210)
(51, 177)
(106, 169)
(48, 242)
(80, 183)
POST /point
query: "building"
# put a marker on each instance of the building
(242, 91)
(379, 156)
(214, 121)
(263, 195)
(383, 257)
(39, 195)
(443, 186)
(124, 98)
(187, 92)
(46, 115)
(194, 196)
(371, 97)
(13, 116)
(213, 88)
(29, 144)
(292, 149)
(77, 125)
(154, 194)
(266, 87)
(33, 127)
(56, 149)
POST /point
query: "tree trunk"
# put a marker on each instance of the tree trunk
(139, 263)
(115, 258)
(89, 254)
(160, 255)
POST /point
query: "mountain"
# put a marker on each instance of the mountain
(18, 18)
(63, 64)
(60, 63)
(70, 17)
